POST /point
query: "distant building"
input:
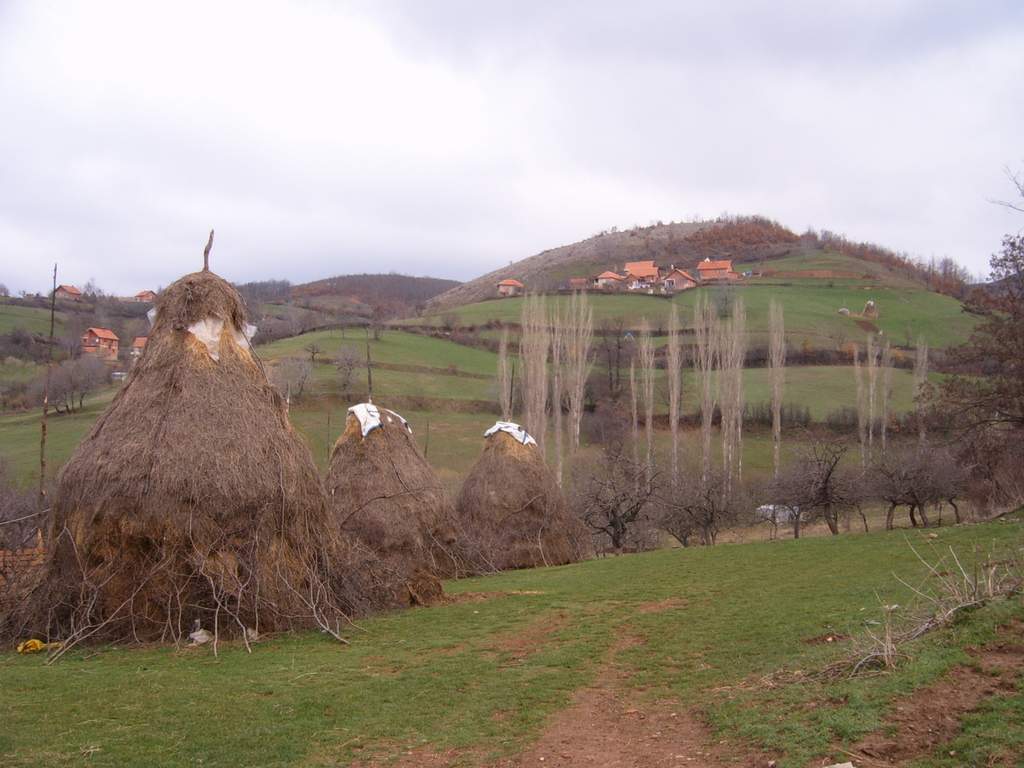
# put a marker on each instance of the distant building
(677, 280)
(101, 342)
(146, 296)
(138, 344)
(580, 283)
(716, 271)
(510, 287)
(68, 293)
(610, 280)
(642, 271)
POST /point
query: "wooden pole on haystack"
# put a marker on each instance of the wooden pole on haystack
(206, 253)
(369, 372)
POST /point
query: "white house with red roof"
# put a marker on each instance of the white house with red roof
(510, 287)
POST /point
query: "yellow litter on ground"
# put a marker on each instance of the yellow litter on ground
(34, 646)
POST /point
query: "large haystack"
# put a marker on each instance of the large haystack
(511, 508)
(384, 494)
(191, 498)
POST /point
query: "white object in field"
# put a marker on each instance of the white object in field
(199, 636)
(151, 316)
(513, 429)
(209, 331)
(370, 417)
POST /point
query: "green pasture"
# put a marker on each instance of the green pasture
(461, 680)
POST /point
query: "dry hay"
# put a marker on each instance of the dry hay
(512, 511)
(384, 494)
(191, 498)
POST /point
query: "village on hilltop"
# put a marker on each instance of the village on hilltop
(640, 277)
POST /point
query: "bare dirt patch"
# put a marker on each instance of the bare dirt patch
(825, 639)
(481, 597)
(931, 716)
(660, 606)
(518, 645)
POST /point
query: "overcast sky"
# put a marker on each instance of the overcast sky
(448, 138)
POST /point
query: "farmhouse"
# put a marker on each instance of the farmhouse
(146, 297)
(712, 271)
(510, 287)
(138, 344)
(579, 283)
(610, 280)
(642, 274)
(68, 293)
(101, 342)
(677, 280)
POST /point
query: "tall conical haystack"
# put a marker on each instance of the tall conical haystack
(512, 510)
(191, 498)
(384, 494)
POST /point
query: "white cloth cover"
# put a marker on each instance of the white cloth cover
(209, 332)
(151, 316)
(515, 430)
(370, 417)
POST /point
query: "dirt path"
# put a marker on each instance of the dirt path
(931, 716)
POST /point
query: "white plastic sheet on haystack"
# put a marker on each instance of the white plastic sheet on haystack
(370, 416)
(513, 429)
(209, 331)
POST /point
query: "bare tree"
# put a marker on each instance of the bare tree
(702, 509)
(634, 433)
(290, 377)
(674, 371)
(614, 498)
(917, 480)
(886, 393)
(314, 350)
(705, 325)
(347, 363)
(862, 407)
(505, 367)
(777, 373)
(557, 384)
(920, 385)
(871, 355)
(732, 353)
(579, 339)
(647, 371)
(534, 344)
(815, 483)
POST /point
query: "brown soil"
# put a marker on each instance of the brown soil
(825, 639)
(931, 715)
(519, 644)
(866, 325)
(660, 606)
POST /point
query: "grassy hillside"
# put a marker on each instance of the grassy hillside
(689, 632)
(811, 311)
(447, 392)
(32, 319)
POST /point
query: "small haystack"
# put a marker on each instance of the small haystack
(512, 509)
(384, 494)
(191, 499)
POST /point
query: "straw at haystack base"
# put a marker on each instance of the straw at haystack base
(513, 512)
(385, 494)
(190, 499)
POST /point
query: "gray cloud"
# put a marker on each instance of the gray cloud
(448, 138)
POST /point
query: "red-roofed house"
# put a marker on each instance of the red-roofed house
(146, 296)
(710, 271)
(68, 293)
(678, 280)
(138, 344)
(510, 287)
(610, 279)
(579, 283)
(101, 342)
(641, 274)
